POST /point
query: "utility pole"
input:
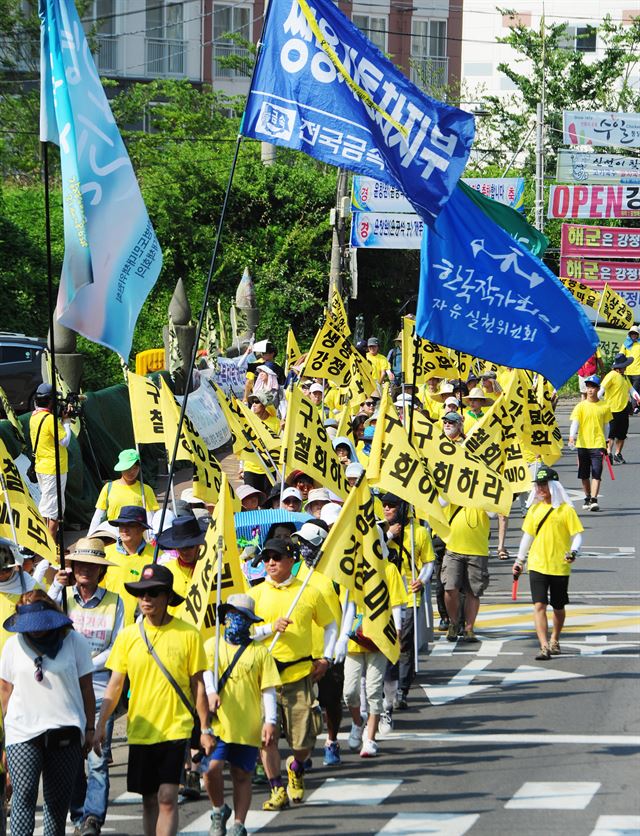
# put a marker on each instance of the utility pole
(539, 222)
(337, 216)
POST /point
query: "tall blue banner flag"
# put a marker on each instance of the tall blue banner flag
(321, 87)
(484, 293)
(112, 257)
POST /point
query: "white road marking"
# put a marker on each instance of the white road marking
(490, 647)
(256, 820)
(513, 738)
(458, 686)
(617, 826)
(437, 824)
(127, 798)
(531, 673)
(553, 795)
(353, 791)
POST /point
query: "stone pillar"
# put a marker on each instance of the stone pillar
(180, 313)
(69, 362)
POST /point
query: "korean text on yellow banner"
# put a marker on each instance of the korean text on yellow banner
(615, 310)
(583, 293)
(306, 445)
(338, 313)
(431, 359)
(146, 415)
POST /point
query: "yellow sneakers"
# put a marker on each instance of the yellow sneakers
(295, 785)
(277, 800)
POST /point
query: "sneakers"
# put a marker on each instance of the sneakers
(295, 783)
(278, 800)
(444, 625)
(259, 775)
(369, 749)
(400, 701)
(191, 786)
(385, 725)
(219, 818)
(470, 637)
(594, 505)
(544, 654)
(618, 459)
(554, 648)
(452, 632)
(331, 754)
(355, 736)
(237, 829)
(587, 503)
(91, 827)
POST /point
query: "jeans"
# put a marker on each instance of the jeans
(90, 796)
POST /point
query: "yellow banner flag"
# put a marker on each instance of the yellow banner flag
(344, 423)
(354, 556)
(432, 360)
(241, 447)
(11, 416)
(330, 357)
(199, 607)
(583, 293)
(146, 415)
(293, 351)
(338, 313)
(306, 445)
(395, 466)
(615, 310)
(269, 440)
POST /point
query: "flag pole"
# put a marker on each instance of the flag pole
(293, 605)
(216, 660)
(52, 350)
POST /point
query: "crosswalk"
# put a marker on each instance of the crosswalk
(509, 619)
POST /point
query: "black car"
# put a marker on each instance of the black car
(20, 368)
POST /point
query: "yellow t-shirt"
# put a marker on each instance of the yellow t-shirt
(423, 553)
(327, 590)
(591, 418)
(273, 602)
(128, 569)
(632, 351)
(380, 365)
(397, 597)
(554, 540)
(273, 422)
(115, 495)
(182, 576)
(156, 713)
(469, 530)
(46, 451)
(239, 718)
(616, 391)
(431, 407)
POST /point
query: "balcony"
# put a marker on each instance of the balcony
(227, 49)
(106, 56)
(429, 73)
(164, 57)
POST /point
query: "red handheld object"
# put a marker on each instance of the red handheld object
(514, 589)
(606, 458)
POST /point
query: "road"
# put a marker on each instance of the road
(493, 741)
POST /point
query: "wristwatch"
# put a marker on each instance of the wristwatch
(208, 732)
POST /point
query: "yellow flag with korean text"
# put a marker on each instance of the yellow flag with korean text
(427, 358)
(146, 414)
(242, 447)
(615, 310)
(338, 313)
(331, 355)
(293, 351)
(306, 445)
(583, 293)
(269, 439)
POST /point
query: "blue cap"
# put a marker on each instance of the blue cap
(44, 390)
(593, 379)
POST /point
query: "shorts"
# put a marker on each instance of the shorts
(466, 572)
(331, 685)
(589, 463)
(237, 754)
(619, 425)
(154, 764)
(299, 714)
(549, 589)
(48, 505)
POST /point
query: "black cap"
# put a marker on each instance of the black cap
(546, 474)
(153, 576)
(390, 499)
(275, 544)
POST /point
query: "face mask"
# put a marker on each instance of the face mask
(236, 628)
(451, 430)
(47, 645)
(308, 553)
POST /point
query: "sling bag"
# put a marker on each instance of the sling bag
(31, 470)
(543, 520)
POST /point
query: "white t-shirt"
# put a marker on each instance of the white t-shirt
(36, 707)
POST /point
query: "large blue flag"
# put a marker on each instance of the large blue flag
(484, 293)
(321, 87)
(112, 257)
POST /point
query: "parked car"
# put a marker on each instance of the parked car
(20, 368)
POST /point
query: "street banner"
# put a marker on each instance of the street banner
(146, 414)
(371, 195)
(384, 231)
(506, 190)
(619, 275)
(583, 167)
(321, 87)
(621, 130)
(230, 374)
(354, 556)
(307, 447)
(594, 202)
(207, 416)
(583, 240)
(484, 293)
(199, 607)
(112, 257)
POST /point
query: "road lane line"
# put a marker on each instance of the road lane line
(553, 795)
(437, 824)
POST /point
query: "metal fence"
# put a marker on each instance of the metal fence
(164, 56)
(107, 53)
(226, 49)
(429, 72)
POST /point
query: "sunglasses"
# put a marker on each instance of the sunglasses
(273, 556)
(152, 593)
(38, 675)
(368, 403)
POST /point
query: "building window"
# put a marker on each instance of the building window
(104, 15)
(230, 58)
(429, 53)
(578, 38)
(165, 45)
(375, 28)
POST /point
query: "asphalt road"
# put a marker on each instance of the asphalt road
(493, 741)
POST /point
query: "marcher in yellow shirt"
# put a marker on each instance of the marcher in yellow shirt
(126, 490)
(617, 390)
(631, 347)
(379, 362)
(589, 428)
(552, 538)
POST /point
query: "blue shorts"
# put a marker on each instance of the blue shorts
(237, 754)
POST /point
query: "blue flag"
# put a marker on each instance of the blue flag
(483, 293)
(112, 257)
(321, 87)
